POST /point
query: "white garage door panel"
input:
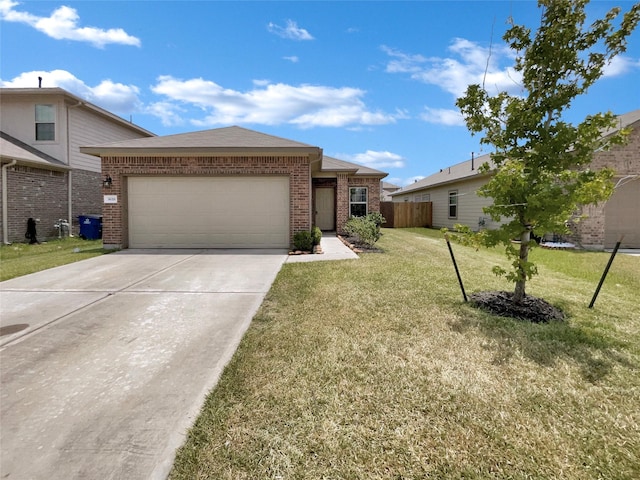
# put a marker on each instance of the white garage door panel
(208, 212)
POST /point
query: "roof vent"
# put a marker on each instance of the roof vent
(39, 82)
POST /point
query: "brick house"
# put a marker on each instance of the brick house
(226, 188)
(452, 192)
(605, 224)
(44, 174)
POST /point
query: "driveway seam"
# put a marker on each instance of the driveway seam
(108, 293)
(55, 320)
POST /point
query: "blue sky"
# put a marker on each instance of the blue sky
(371, 82)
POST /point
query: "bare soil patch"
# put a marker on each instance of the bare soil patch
(532, 309)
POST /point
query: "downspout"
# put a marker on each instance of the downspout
(70, 174)
(5, 215)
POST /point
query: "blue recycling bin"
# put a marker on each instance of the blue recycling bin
(90, 226)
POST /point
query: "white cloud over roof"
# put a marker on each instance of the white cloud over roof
(62, 24)
(375, 159)
(271, 104)
(204, 103)
(112, 96)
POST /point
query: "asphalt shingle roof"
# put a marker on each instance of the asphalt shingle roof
(218, 138)
(465, 170)
(330, 164)
(13, 149)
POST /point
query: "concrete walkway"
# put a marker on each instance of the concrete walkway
(332, 248)
(105, 363)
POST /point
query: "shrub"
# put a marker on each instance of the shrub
(316, 235)
(377, 218)
(365, 229)
(303, 241)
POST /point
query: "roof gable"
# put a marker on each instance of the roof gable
(76, 102)
(624, 121)
(330, 164)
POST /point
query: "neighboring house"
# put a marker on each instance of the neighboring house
(226, 188)
(453, 194)
(44, 174)
(606, 223)
(387, 190)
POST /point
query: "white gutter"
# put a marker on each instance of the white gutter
(5, 227)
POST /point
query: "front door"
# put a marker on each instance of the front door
(325, 208)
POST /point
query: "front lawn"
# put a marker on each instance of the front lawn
(21, 258)
(376, 369)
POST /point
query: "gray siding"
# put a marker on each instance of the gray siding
(470, 205)
(86, 129)
(18, 119)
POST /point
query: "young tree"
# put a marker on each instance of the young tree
(541, 171)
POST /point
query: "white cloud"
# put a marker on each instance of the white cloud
(291, 31)
(169, 113)
(374, 159)
(403, 62)
(115, 97)
(620, 65)
(403, 182)
(63, 25)
(410, 180)
(443, 116)
(272, 104)
(470, 63)
(292, 59)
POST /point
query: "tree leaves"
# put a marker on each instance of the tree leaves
(540, 174)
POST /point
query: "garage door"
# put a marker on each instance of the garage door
(208, 212)
(622, 216)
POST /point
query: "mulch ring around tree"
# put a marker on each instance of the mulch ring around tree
(532, 309)
(359, 247)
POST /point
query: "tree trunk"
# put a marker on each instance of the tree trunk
(519, 293)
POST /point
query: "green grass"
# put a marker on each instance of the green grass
(376, 369)
(21, 258)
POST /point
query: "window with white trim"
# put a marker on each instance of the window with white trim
(357, 201)
(453, 204)
(45, 123)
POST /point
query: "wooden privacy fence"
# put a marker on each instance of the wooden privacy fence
(406, 214)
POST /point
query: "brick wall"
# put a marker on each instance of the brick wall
(86, 195)
(35, 193)
(344, 183)
(625, 160)
(115, 217)
(342, 202)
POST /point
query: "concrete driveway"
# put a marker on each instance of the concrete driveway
(105, 363)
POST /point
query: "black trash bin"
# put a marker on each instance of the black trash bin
(90, 226)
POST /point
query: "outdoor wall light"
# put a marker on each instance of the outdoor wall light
(107, 182)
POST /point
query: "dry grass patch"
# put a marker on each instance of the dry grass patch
(376, 369)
